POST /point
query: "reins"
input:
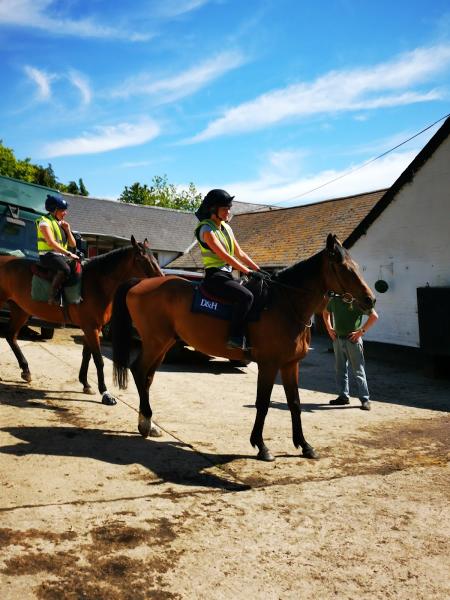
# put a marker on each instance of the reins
(267, 279)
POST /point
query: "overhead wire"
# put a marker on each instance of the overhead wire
(350, 171)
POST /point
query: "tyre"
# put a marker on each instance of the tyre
(47, 333)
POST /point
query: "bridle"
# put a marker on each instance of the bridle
(144, 258)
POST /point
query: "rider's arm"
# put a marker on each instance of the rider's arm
(244, 257)
(48, 235)
(68, 231)
(216, 247)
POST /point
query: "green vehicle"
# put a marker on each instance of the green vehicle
(21, 203)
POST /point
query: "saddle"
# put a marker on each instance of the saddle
(42, 278)
(205, 302)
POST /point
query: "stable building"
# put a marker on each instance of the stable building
(402, 246)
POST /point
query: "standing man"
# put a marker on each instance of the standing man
(347, 331)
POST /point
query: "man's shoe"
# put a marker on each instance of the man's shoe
(340, 401)
(365, 405)
(237, 343)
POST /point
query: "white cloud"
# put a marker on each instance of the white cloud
(42, 80)
(104, 139)
(37, 14)
(174, 8)
(270, 188)
(45, 80)
(337, 91)
(183, 84)
(82, 84)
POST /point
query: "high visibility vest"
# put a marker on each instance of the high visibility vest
(224, 235)
(56, 230)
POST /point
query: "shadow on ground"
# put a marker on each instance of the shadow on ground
(173, 462)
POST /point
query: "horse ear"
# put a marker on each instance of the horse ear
(330, 242)
(133, 241)
(145, 243)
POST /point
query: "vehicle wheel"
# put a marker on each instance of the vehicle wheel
(47, 333)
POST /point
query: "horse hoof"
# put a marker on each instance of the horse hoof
(108, 399)
(88, 390)
(265, 455)
(310, 453)
(155, 431)
(26, 376)
(144, 426)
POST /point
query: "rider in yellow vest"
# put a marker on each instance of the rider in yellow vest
(221, 254)
(54, 238)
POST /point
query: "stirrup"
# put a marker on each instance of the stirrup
(237, 343)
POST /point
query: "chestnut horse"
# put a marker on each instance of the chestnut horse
(161, 312)
(101, 278)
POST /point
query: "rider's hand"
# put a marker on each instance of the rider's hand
(255, 274)
(72, 255)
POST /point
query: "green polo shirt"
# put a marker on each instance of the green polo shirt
(346, 317)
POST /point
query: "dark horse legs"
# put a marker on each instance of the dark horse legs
(289, 376)
(18, 319)
(91, 347)
(266, 379)
(143, 378)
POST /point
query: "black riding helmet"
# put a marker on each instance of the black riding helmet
(53, 203)
(213, 200)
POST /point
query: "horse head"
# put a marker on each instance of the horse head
(144, 262)
(343, 278)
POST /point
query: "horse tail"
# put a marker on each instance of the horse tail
(121, 331)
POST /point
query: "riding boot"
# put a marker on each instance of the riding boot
(236, 337)
(56, 284)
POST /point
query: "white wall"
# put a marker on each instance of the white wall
(164, 257)
(409, 247)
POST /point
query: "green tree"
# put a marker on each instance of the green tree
(136, 194)
(82, 188)
(46, 176)
(162, 193)
(25, 170)
(72, 188)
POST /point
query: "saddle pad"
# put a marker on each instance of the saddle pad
(214, 308)
(40, 289)
(211, 305)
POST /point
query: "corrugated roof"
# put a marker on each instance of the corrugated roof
(278, 238)
(165, 228)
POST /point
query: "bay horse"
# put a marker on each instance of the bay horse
(102, 276)
(161, 312)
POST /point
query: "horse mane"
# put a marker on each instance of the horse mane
(106, 262)
(297, 274)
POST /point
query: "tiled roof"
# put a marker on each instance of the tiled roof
(166, 229)
(277, 238)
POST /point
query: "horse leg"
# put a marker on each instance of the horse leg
(143, 378)
(18, 318)
(289, 376)
(266, 379)
(82, 376)
(93, 343)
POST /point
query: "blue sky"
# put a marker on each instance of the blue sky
(265, 98)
